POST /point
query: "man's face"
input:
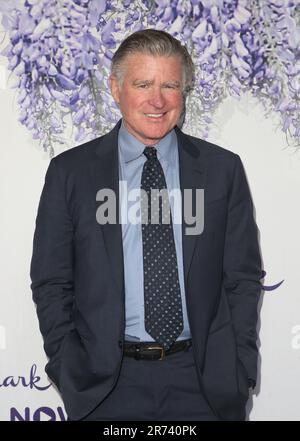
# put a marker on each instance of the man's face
(150, 96)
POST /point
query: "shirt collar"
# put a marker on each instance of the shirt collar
(132, 148)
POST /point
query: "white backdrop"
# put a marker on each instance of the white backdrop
(274, 175)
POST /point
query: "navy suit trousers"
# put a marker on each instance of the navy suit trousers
(155, 390)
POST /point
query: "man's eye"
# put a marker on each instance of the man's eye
(143, 86)
(171, 86)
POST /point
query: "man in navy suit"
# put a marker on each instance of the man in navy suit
(148, 321)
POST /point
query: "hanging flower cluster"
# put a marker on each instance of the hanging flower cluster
(60, 52)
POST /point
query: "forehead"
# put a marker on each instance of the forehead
(139, 64)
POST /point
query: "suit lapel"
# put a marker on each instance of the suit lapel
(106, 175)
(192, 175)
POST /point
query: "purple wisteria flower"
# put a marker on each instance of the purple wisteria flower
(59, 55)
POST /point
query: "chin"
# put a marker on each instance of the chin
(156, 133)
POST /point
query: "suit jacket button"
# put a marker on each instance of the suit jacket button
(120, 343)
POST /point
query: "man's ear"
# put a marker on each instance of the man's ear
(114, 88)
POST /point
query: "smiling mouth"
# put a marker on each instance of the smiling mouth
(155, 115)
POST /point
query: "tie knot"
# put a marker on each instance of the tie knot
(150, 152)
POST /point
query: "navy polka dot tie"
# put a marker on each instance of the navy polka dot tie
(163, 308)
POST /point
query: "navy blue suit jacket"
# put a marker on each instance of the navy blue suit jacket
(78, 278)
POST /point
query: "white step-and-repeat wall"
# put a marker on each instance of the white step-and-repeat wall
(238, 123)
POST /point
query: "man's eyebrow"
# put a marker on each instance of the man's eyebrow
(137, 82)
(174, 83)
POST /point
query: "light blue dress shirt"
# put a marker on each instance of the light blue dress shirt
(131, 161)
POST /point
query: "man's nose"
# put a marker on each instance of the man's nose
(157, 98)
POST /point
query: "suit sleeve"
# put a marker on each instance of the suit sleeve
(51, 269)
(242, 270)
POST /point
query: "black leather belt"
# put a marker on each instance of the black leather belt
(153, 351)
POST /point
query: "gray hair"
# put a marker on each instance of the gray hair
(156, 43)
